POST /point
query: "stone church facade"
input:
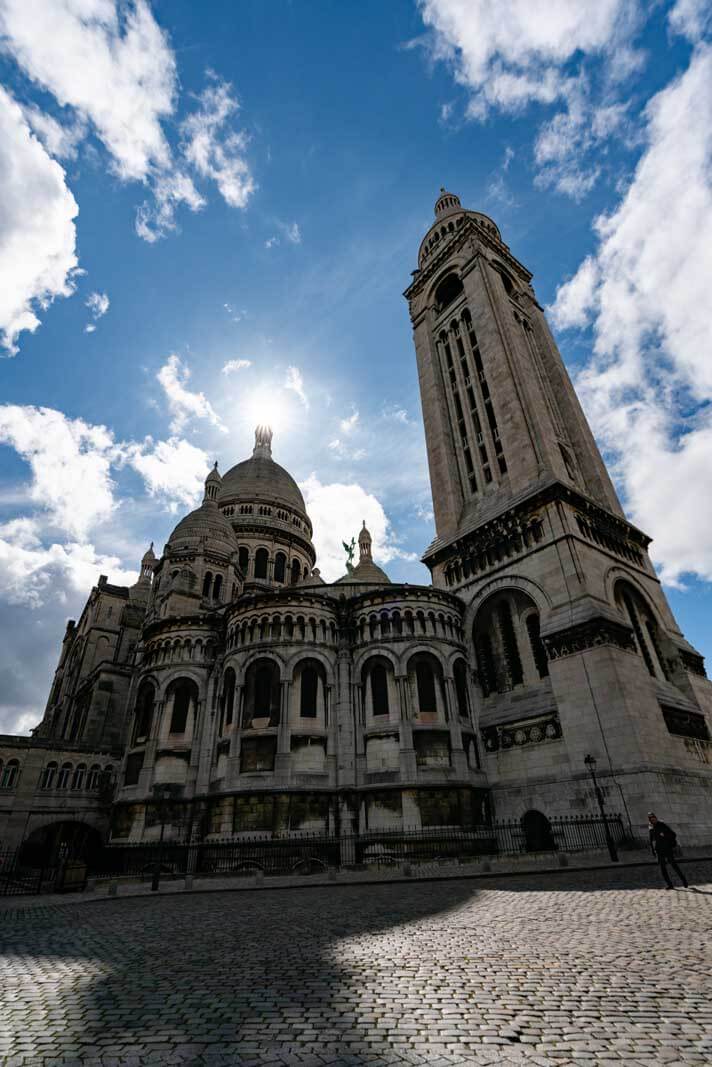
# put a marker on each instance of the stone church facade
(275, 703)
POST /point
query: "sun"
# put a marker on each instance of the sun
(267, 407)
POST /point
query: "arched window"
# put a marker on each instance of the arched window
(379, 690)
(460, 676)
(79, 776)
(217, 586)
(48, 776)
(93, 778)
(448, 290)
(261, 694)
(261, 561)
(647, 635)
(296, 571)
(64, 776)
(308, 692)
(280, 567)
(184, 693)
(243, 558)
(425, 680)
(8, 778)
(508, 646)
(229, 695)
(207, 582)
(144, 713)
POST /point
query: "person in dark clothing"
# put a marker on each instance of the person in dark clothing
(663, 841)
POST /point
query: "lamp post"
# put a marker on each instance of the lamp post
(590, 762)
(162, 792)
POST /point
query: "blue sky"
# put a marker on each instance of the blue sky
(231, 197)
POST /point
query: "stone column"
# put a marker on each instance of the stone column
(407, 750)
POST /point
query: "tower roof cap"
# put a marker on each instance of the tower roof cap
(446, 203)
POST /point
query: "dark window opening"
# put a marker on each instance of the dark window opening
(425, 678)
(257, 754)
(261, 561)
(296, 571)
(379, 690)
(134, 766)
(448, 290)
(460, 675)
(280, 567)
(309, 690)
(538, 650)
(243, 557)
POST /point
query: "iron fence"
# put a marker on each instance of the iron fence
(310, 853)
(18, 878)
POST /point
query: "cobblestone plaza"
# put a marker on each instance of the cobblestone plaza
(587, 966)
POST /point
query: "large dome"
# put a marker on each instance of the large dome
(259, 478)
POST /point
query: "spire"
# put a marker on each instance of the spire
(147, 563)
(364, 543)
(212, 484)
(263, 441)
(446, 203)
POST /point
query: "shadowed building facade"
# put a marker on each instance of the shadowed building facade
(278, 703)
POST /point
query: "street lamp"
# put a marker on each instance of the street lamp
(590, 762)
(163, 792)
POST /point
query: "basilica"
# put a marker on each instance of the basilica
(264, 700)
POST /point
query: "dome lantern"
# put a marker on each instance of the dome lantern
(446, 203)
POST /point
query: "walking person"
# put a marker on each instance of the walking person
(663, 841)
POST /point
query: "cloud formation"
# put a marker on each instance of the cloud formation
(648, 387)
(184, 404)
(233, 365)
(98, 304)
(528, 57)
(112, 63)
(37, 233)
(351, 504)
(295, 383)
(215, 152)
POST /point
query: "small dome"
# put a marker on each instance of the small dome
(149, 556)
(214, 475)
(446, 202)
(364, 537)
(207, 523)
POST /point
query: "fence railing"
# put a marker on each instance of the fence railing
(309, 853)
(18, 878)
(298, 853)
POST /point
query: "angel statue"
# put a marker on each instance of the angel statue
(349, 550)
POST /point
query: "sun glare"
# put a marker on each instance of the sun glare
(267, 408)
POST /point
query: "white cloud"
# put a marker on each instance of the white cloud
(648, 387)
(526, 56)
(236, 316)
(271, 242)
(60, 140)
(233, 365)
(396, 413)
(183, 404)
(349, 424)
(30, 572)
(295, 382)
(574, 299)
(293, 233)
(173, 470)
(98, 304)
(109, 61)
(352, 504)
(156, 218)
(215, 152)
(70, 462)
(37, 232)
(690, 18)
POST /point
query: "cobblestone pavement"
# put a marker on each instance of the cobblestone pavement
(579, 966)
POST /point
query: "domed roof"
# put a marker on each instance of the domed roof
(365, 570)
(260, 478)
(206, 523)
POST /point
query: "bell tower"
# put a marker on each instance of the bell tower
(575, 648)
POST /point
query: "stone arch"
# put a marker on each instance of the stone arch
(507, 642)
(538, 835)
(312, 653)
(508, 581)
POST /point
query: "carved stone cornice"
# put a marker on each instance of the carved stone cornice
(693, 663)
(588, 635)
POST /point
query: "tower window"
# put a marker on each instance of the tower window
(425, 679)
(448, 291)
(280, 566)
(243, 557)
(309, 689)
(379, 690)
